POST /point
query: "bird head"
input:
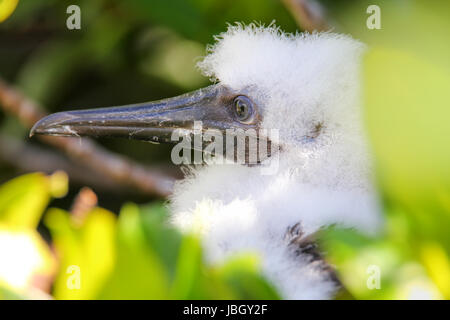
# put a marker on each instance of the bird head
(305, 86)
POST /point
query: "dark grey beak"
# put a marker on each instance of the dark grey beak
(152, 121)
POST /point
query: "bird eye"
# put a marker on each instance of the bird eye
(243, 108)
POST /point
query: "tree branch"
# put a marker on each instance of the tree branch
(119, 168)
(308, 14)
(29, 158)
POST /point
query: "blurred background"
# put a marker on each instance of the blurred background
(141, 50)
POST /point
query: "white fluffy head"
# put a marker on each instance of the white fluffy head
(306, 86)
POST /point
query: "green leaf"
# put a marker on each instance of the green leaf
(24, 199)
(138, 273)
(160, 236)
(243, 275)
(188, 269)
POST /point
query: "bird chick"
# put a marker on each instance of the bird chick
(307, 88)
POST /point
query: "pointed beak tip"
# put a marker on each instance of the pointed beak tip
(38, 127)
(50, 125)
(33, 130)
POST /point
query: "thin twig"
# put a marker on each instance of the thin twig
(84, 202)
(119, 168)
(26, 157)
(309, 14)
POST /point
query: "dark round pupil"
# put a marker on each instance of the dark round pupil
(241, 109)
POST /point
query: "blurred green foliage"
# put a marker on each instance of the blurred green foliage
(99, 256)
(27, 264)
(137, 50)
(406, 81)
(153, 38)
(22, 200)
